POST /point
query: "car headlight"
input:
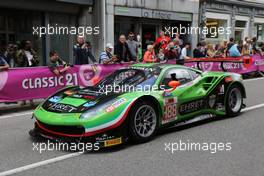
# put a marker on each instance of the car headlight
(102, 107)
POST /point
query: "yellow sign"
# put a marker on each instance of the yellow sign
(112, 142)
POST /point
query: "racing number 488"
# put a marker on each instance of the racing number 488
(170, 112)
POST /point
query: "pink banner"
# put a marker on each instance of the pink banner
(39, 82)
(259, 63)
(237, 67)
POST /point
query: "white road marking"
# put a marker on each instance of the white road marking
(254, 79)
(253, 107)
(16, 115)
(38, 164)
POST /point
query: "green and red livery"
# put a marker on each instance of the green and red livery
(135, 102)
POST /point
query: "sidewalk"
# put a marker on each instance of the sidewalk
(16, 107)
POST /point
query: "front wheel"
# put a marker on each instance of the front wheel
(143, 122)
(234, 101)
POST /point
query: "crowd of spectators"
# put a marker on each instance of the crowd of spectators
(162, 49)
(165, 48)
(20, 54)
(128, 49)
(228, 48)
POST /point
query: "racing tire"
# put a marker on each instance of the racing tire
(234, 101)
(143, 122)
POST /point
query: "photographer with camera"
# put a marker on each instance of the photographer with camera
(55, 62)
(162, 41)
(82, 52)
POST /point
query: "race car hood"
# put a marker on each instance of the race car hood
(68, 108)
(76, 100)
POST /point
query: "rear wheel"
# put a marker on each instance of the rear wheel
(143, 121)
(234, 101)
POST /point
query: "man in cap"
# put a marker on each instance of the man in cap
(106, 56)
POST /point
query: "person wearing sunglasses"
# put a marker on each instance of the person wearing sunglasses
(132, 46)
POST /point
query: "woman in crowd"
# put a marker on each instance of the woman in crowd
(247, 47)
(149, 55)
(210, 51)
(220, 50)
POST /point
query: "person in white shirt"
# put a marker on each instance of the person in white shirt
(26, 56)
(184, 54)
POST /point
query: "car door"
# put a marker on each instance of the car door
(191, 96)
(171, 99)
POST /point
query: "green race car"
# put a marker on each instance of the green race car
(135, 102)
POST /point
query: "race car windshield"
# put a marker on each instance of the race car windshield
(130, 77)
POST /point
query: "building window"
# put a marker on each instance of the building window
(7, 30)
(213, 26)
(259, 31)
(16, 26)
(240, 27)
(241, 24)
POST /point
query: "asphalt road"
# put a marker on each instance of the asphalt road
(244, 133)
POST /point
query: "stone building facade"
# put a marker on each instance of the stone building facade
(245, 18)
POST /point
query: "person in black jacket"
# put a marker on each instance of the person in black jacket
(197, 52)
(82, 52)
(121, 50)
(254, 45)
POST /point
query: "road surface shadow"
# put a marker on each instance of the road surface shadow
(128, 144)
(173, 129)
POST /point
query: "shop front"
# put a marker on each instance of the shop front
(146, 19)
(16, 26)
(245, 19)
(18, 20)
(259, 28)
(148, 23)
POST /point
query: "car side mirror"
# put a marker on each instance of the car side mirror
(173, 85)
